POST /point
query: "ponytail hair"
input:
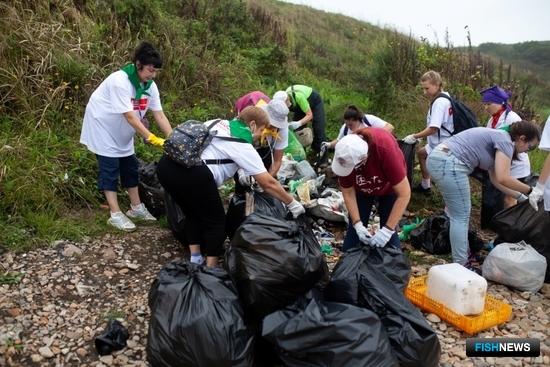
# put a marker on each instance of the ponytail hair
(529, 129)
(433, 77)
(353, 113)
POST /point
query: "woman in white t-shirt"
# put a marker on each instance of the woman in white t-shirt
(355, 119)
(115, 112)
(439, 121)
(195, 189)
(495, 101)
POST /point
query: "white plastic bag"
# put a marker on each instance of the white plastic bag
(330, 206)
(517, 265)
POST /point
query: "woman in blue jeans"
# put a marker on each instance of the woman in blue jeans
(492, 150)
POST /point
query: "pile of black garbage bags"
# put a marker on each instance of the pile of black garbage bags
(275, 304)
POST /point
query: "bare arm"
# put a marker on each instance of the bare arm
(502, 174)
(273, 187)
(277, 161)
(403, 192)
(134, 121)
(351, 203)
(307, 118)
(426, 132)
(545, 170)
(162, 122)
(501, 188)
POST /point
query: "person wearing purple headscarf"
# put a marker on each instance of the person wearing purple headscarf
(495, 100)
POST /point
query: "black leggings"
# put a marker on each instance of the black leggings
(195, 191)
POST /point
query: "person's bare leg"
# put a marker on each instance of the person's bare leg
(422, 158)
(133, 194)
(112, 200)
(212, 261)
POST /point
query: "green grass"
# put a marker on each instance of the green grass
(10, 278)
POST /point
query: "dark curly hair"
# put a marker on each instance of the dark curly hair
(146, 54)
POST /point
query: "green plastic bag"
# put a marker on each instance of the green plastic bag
(294, 147)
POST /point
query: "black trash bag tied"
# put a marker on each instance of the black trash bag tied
(312, 332)
(263, 204)
(523, 223)
(112, 339)
(196, 319)
(361, 278)
(150, 190)
(175, 218)
(273, 262)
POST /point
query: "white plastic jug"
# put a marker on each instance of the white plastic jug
(458, 288)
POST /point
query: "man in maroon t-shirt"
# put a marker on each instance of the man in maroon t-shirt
(370, 164)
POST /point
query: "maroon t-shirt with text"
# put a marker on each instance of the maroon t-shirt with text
(385, 166)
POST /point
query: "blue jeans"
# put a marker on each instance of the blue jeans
(451, 177)
(364, 204)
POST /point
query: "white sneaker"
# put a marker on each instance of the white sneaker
(120, 221)
(141, 213)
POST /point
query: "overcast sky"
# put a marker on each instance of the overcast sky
(504, 21)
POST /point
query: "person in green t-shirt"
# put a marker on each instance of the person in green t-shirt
(307, 105)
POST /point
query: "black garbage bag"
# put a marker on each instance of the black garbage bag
(150, 190)
(433, 237)
(409, 151)
(522, 223)
(312, 332)
(273, 262)
(263, 204)
(112, 339)
(175, 218)
(196, 319)
(360, 279)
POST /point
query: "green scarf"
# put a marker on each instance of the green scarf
(505, 128)
(238, 129)
(141, 88)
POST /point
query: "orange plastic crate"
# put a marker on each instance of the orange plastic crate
(495, 312)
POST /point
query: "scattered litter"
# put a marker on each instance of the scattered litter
(112, 339)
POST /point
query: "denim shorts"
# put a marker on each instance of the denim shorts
(110, 168)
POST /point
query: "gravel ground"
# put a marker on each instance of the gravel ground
(61, 297)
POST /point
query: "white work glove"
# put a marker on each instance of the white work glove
(362, 232)
(294, 125)
(296, 208)
(410, 139)
(381, 237)
(324, 147)
(521, 198)
(245, 180)
(536, 195)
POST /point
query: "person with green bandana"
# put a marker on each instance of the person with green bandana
(115, 112)
(195, 189)
(307, 105)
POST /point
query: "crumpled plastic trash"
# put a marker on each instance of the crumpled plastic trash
(329, 206)
(112, 339)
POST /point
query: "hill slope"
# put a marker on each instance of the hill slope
(54, 53)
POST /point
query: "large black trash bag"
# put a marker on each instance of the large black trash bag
(522, 222)
(263, 204)
(112, 339)
(150, 190)
(360, 279)
(175, 218)
(409, 151)
(273, 262)
(433, 236)
(196, 319)
(312, 332)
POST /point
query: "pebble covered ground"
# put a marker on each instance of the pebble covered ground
(54, 301)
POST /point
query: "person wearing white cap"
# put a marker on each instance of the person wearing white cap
(370, 165)
(275, 140)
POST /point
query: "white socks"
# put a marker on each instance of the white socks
(426, 183)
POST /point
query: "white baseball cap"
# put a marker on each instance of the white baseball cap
(348, 153)
(277, 112)
(280, 95)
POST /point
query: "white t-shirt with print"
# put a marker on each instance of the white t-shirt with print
(439, 116)
(545, 145)
(243, 154)
(522, 166)
(373, 120)
(105, 130)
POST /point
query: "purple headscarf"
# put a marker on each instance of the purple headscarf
(495, 94)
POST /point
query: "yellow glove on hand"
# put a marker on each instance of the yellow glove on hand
(155, 140)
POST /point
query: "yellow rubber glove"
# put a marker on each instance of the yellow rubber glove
(155, 140)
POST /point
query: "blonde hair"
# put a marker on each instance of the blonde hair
(433, 77)
(253, 113)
